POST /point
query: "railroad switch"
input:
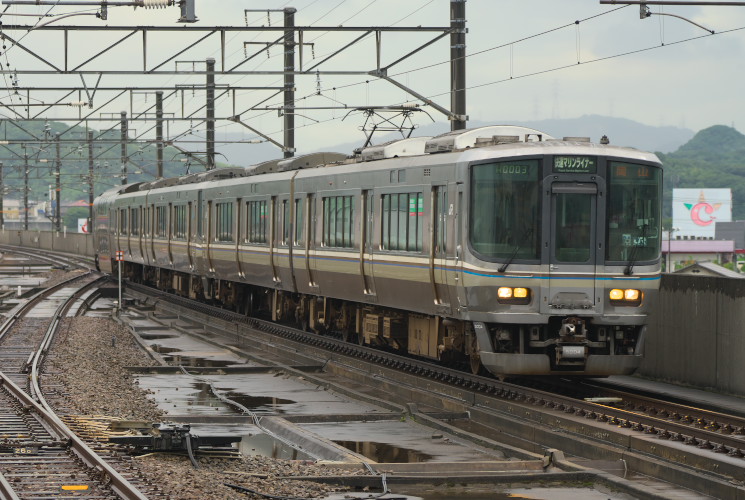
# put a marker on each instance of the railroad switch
(169, 437)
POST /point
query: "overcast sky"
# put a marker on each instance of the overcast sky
(528, 60)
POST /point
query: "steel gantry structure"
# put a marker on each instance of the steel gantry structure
(103, 75)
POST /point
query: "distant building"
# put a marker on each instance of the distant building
(709, 269)
(13, 216)
(685, 251)
(734, 231)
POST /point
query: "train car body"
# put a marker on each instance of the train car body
(516, 252)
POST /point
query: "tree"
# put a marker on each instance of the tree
(72, 214)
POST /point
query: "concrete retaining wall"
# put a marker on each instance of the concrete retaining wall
(74, 243)
(696, 332)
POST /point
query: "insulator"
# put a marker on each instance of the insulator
(156, 4)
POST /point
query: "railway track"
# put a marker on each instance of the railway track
(680, 434)
(40, 456)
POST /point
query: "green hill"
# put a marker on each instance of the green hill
(713, 158)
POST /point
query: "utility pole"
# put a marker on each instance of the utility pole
(124, 146)
(210, 113)
(25, 192)
(458, 64)
(289, 92)
(58, 186)
(90, 180)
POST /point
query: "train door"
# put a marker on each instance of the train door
(273, 238)
(310, 241)
(283, 247)
(572, 243)
(367, 224)
(196, 247)
(208, 235)
(139, 214)
(126, 232)
(169, 233)
(439, 208)
(189, 235)
(152, 234)
(239, 236)
(458, 223)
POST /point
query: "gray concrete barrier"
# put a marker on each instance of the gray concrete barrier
(73, 243)
(697, 333)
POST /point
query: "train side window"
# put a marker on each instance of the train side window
(338, 214)
(160, 221)
(256, 219)
(200, 215)
(134, 222)
(224, 222)
(123, 221)
(403, 219)
(299, 221)
(285, 216)
(179, 221)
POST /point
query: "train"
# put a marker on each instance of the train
(499, 248)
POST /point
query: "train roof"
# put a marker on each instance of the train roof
(466, 145)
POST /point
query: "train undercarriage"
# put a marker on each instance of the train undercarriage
(447, 340)
(570, 345)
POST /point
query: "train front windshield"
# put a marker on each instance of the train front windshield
(505, 208)
(633, 217)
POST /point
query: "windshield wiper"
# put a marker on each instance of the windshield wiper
(523, 238)
(632, 258)
(503, 267)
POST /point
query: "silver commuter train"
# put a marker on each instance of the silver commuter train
(498, 246)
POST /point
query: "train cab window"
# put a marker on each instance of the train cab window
(134, 222)
(161, 217)
(633, 214)
(256, 221)
(179, 222)
(402, 221)
(123, 221)
(224, 222)
(504, 210)
(338, 214)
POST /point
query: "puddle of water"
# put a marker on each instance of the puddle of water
(385, 453)
(164, 350)
(260, 404)
(266, 446)
(198, 361)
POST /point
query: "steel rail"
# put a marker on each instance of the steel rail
(56, 427)
(6, 490)
(624, 418)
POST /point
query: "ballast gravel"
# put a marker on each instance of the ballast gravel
(89, 361)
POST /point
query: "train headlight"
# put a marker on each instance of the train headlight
(513, 295)
(504, 292)
(627, 297)
(631, 294)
